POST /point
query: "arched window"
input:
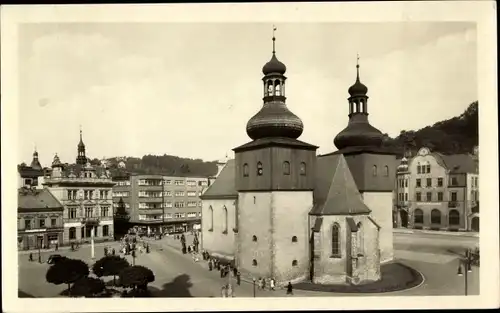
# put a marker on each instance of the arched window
(336, 241)
(386, 171)
(419, 169)
(295, 263)
(454, 218)
(361, 242)
(374, 170)
(260, 171)
(435, 216)
(418, 216)
(286, 168)
(269, 88)
(245, 170)
(294, 239)
(72, 233)
(254, 238)
(224, 219)
(210, 218)
(361, 106)
(277, 88)
(303, 169)
(254, 262)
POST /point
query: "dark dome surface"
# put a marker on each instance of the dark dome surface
(274, 120)
(358, 133)
(358, 89)
(274, 66)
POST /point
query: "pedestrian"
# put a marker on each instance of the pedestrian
(221, 273)
(229, 291)
(105, 251)
(272, 284)
(147, 248)
(189, 249)
(264, 284)
(39, 258)
(235, 271)
(210, 265)
(113, 251)
(223, 291)
(31, 257)
(57, 246)
(260, 283)
(289, 289)
(238, 278)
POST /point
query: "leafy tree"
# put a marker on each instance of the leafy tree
(87, 287)
(67, 271)
(110, 265)
(136, 276)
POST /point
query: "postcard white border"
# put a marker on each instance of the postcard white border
(481, 12)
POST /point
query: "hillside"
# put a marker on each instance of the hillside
(456, 135)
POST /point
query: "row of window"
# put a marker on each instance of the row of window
(39, 223)
(122, 194)
(86, 232)
(453, 217)
(403, 183)
(375, 171)
(286, 169)
(274, 88)
(439, 182)
(72, 194)
(145, 217)
(156, 194)
(422, 169)
(225, 223)
(122, 183)
(88, 212)
(474, 182)
(429, 198)
(179, 182)
(169, 204)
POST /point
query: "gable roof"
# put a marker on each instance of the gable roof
(37, 200)
(224, 185)
(460, 163)
(335, 192)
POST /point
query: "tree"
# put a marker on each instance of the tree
(136, 276)
(87, 287)
(67, 271)
(110, 265)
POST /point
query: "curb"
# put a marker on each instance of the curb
(437, 233)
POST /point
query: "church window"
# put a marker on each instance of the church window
(224, 219)
(269, 88)
(435, 217)
(260, 171)
(374, 170)
(336, 241)
(211, 218)
(254, 238)
(361, 243)
(361, 106)
(245, 170)
(418, 216)
(386, 171)
(277, 88)
(303, 168)
(286, 168)
(294, 263)
(254, 262)
(294, 239)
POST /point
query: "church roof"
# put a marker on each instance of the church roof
(224, 186)
(335, 192)
(37, 199)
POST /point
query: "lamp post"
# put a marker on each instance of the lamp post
(39, 252)
(466, 263)
(92, 250)
(253, 279)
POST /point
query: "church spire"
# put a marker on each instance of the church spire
(35, 163)
(274, 119)
(81, 158)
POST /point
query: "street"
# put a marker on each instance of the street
(177, 275)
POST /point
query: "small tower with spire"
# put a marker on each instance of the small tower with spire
(275, 182)
(57, 167)
(81, 159)
(35, 163)
(372, 165)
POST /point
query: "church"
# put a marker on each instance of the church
(281, 211)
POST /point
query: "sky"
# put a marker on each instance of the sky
(188, 89)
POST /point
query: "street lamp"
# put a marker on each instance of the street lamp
(253, 279)
(466, 263)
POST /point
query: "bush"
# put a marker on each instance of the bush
(110, 265)
(87, 287)
(136, 276)
(67, 271)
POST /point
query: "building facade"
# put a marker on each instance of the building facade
(160, 203)
(39, 219)
(438, 192)
(86, 193)
(298, 216)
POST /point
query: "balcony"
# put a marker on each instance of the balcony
(452, 204)
(72, 180)
(90, 221)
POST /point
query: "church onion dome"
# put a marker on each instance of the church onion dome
(358, 89)
(403, 166)
(274, 66)
(274, 120)
(56, 161)
(358, 135)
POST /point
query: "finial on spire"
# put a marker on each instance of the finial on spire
(357, 66)
(274, 40)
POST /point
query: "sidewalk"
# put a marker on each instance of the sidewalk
(435, 232)
(66, 248)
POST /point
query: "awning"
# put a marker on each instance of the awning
(317, 224)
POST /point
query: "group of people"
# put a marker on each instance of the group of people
(264, 282)
(130, 244)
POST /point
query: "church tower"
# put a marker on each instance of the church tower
(35, 163)
(372, 165)
(81, 158)
(275, 183)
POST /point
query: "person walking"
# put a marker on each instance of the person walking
(57, 246)
(105, 251)
(210, 265)
(31, 257)
(289, 289)
(221, 273)
(272, 284)
(224, 292)
(238, 278)
(113, 251)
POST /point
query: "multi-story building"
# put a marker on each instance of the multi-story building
(85, 191)
(160, 203)
(438, 192)
(39, 219)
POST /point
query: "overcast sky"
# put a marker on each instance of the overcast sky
(189, 89)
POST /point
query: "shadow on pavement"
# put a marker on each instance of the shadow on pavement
(177, 288)
(22, 294)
